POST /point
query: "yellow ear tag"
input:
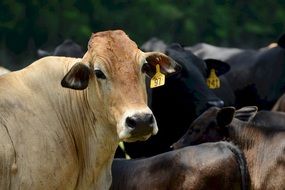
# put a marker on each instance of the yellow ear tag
(213, 81)
(158, 79)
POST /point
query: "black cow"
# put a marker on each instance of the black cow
(68, 48)
(183, 97)
(260, 135)
(214, 166)
(257, 77)
(154, 44)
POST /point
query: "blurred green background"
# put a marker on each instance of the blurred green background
(28, 25)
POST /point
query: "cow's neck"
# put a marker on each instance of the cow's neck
(95, 141)
(241, 134)
(246, 138)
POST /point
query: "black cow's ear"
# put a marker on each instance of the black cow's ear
(281, 41)
(219, 66)
(246, 113)
(77, 77)
(167, 65)
(225, 116)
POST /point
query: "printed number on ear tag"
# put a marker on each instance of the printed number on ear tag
(213, 81)
(158, 79)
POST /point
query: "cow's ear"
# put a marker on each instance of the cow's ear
(77, 77)
(219, 66)
(281, 41)
(167, 65)
(225, 116)
(246, 113)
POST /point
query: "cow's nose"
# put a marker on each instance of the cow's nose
(140, 120)
(138, 126)
(216, 103)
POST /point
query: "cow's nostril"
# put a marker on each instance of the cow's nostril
(140, 120)
(131, 122)
(149, 118)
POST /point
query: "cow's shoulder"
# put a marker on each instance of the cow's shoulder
(45, 73)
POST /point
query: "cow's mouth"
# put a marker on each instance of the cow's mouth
(138, 138)
(139, 134)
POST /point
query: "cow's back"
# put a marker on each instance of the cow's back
(201, 167)
(207, 51)
(211, 163)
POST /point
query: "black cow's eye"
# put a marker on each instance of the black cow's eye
(99, 74)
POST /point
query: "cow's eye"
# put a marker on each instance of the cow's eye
(99, 74)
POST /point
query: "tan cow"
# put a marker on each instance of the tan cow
(65, 138)
(3, 70)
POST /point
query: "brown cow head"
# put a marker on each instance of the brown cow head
(212, 125)
(113, 72)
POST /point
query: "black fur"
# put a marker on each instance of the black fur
(240, 158)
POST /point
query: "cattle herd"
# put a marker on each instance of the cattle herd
(217, 123)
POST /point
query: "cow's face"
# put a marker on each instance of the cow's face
(208, 127)
(114, 73)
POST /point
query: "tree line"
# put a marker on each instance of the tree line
(28, 25)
